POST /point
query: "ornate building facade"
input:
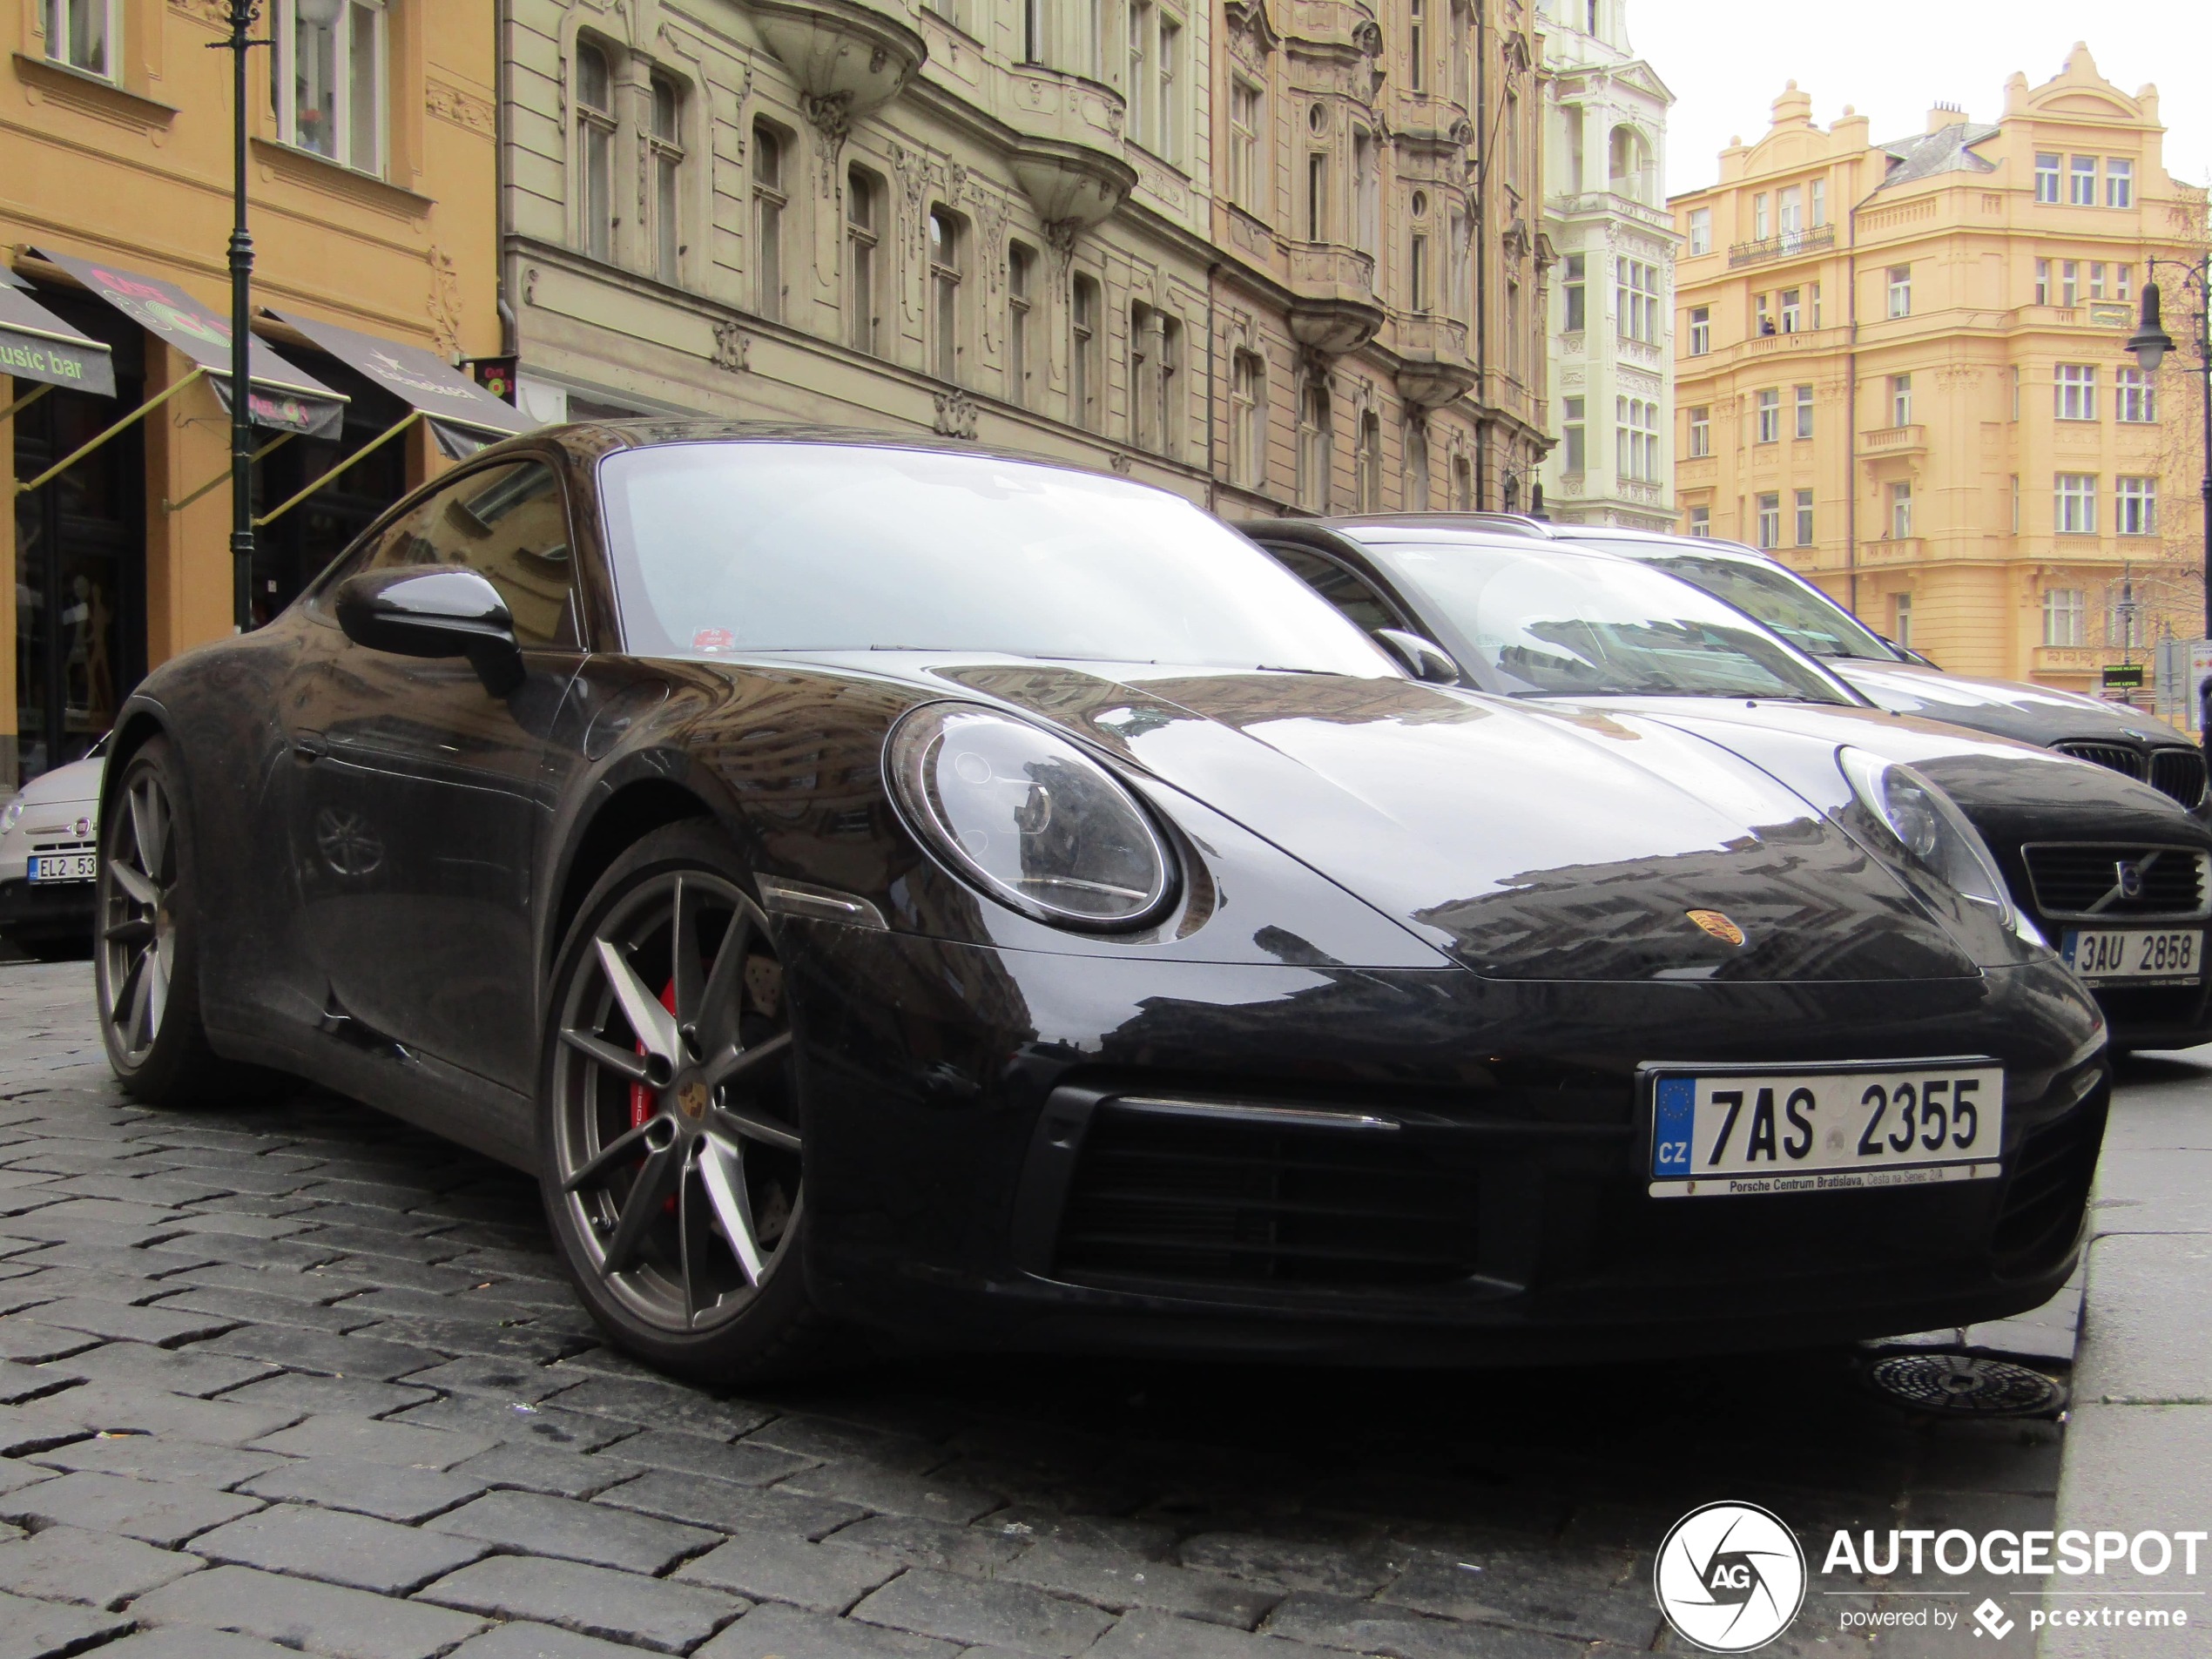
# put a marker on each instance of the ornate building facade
(1612, 334)
(1237, 256)
(1904, 372)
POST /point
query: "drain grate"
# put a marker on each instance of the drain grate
(1967, 1384)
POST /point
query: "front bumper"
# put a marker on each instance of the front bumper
(61, 911)
(971, 1182)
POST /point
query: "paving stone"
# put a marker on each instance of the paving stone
(744, 1463)
(1293, 1563)
(707, 1503)
(318, 1350)
(162, 1187)
(119, 1407)
(157, 1512)
(1113, 1579)
(499, 1419)
(330, 1396)
(1144, 1634)
(1590, 1594)
(25, 1429)
(118, 1263)
(76, 1213)
(183, 1642)
(293, 1253)
(309, 1287)
(773, 1566)
(377, 1241)
(20, 1383)
(540, 1524)
(662, 1406)
(932, 1543)
(521, 1639)
(242, 1222)
(463, 1336)
(98, 1569)
(832, 1442)
(262, 1308)
(32, 1629)
(989, 1612)
(158, 1457)
(322, 1212)
(529, 1467)
(896, 1492)
(300, 1614)
(504, 1380)
(775, 1632)
(30, 1342)
(375, 1194)
(163, 1327)
(374, 1441)
(1362, 1626)
(380, 1489)
(594, 1601)
(342, 1548)
(138, 1364)
(1143, 1539)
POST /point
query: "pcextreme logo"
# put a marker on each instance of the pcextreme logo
(1730, 1577)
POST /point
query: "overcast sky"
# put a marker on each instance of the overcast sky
(1726, 61)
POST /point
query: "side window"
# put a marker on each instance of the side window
(508, 524)
(1340, 588)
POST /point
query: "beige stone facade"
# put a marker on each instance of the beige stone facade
(1901, 365)
(1084, 227)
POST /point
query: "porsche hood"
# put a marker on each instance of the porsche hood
(1526, 844)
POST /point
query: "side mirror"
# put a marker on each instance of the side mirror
(435, 611)
(1423, 658)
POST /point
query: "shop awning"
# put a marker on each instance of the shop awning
(462, 415)
(35, 345)
(281, 396)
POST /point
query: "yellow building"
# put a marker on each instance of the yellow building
(1900, 367)
(373, 188)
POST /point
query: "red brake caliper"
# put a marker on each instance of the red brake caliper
(640, 1098)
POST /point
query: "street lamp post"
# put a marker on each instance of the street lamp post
(2150, 343)
(241, 15)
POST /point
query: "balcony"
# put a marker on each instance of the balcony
(1332, 304)
(1435, 370)
(1891, 550)
(1787, 245)
(847, 57)
(1069, 157)
(1893, 443)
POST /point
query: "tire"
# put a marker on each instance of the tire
(145, 944)
(670, 1129)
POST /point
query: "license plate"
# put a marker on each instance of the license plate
(1722, 1133)
(2144, 955)
(61, 866)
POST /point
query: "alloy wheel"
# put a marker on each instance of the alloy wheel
(676, 1141)
(138, 941)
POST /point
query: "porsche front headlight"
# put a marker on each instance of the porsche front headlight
(1028, 818)
(1928, 827)
(10, 815)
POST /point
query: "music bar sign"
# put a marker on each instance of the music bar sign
(35, 345)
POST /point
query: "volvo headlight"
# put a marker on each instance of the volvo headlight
(1928, 827)
(1028, 818)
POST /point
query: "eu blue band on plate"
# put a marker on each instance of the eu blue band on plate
(1673, 1123)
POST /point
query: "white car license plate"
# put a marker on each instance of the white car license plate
(1727, 1134)
(62, 866)
(2157, 955)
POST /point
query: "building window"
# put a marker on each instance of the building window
(2016, 393)
(1248, 419)
(1701, 230)
(1761, 315)
(1900, 291)
(2123, 287)
(1804, 518)
(1576, 292)
(79, 33)
(2136, 507)
(945, 252)
(2069, 282)
(2076, 391)
(2075, 503)
(1792, 310)
(1804, 411)
(1637, 301)
(1371, 463)
(1136, 87)
(595, 141)
(1819, 205)
(1701, 432)
(1317, 196)
(2046, 177)
(1770, 428)
(1514, 342)
(329, 79)
(1901, 619)
(1791, 203)
(768, 203)
(666, 147)
(1463, 26)
(1417, 274)
(1247, 177)
(2084, 192)
(2096, 278)
(1901, 511)
(1769, 521)
(1316, 449)
(1416, 468)
(1167, 107)
(1367, 196)
(1636, 440)
(1033, 31)
(1701, 521)
(1900, 400)
(1086, 367)
(1762, 225)
(1416, 45)
(1462, 485)
(2120, 182)
(2134, 397)
(863, 202)
(2016, 503)
(1021, 281)
(2063, 615)
(1575, 437)
(2042, 282)
(1700, 330)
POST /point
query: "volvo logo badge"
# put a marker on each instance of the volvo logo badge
(2130, 876)
(1718, 926)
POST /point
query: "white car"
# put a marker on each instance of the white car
(49, 838)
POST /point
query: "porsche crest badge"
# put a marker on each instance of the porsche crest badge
(1718, 926)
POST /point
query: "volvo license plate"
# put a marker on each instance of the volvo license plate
(1718, 1132)
(2139, 956)
(61, 866)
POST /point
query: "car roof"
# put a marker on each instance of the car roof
(1388, 530)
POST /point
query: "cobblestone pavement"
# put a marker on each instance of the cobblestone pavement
(297, 1377)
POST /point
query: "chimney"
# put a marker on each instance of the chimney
(1942, 115)
(1793, 108)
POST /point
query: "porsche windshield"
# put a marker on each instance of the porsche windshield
(1810, 621)
(762, 546)
(1549, 623)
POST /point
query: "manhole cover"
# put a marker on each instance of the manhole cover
(1967, 1383)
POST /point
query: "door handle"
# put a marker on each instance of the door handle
(308, 747)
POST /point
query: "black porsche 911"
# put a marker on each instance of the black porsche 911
(2114, 873)
(902, 891)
